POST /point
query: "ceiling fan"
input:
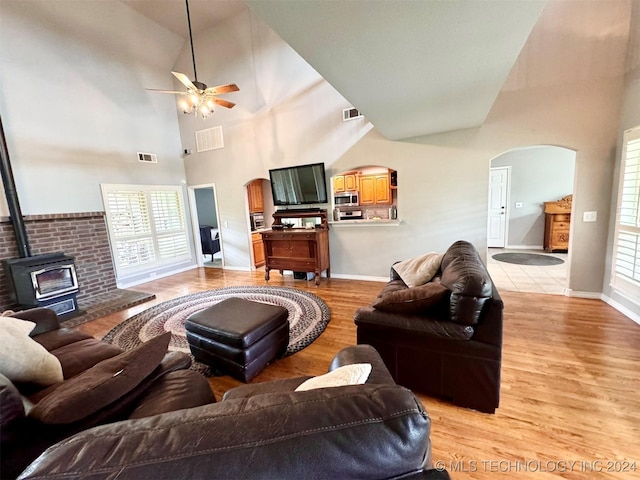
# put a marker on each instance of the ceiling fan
(199, 98)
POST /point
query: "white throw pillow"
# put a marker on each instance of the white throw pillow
(354, 374)
(22, 359)
(419, 270)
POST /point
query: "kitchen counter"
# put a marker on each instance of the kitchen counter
(383, 222)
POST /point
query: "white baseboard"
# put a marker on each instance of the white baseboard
(239, 269)
(525, 247)
(154, 276)
(577, 294)
(366, 278)
(621, 308)
(601, 296)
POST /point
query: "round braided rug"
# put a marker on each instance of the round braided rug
(308, 317)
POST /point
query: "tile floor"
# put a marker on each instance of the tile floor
(216, 261)
(526, 278)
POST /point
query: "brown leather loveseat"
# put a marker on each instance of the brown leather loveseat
(443, 338)
(100, 384)
(378, 430)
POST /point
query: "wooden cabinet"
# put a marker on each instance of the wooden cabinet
(557, 223)
(351, 182)
(298, 249)
(256, 199)
(375, 190)
(345, 183)
(258, 250)
(382, 189)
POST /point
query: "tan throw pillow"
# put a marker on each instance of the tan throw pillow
(419, 270)
(412, 300)
(102, 384)
(354, 374)
(22, 359)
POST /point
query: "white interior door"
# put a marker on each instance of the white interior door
(498, 193)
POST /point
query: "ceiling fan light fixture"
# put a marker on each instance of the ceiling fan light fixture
(201, 99)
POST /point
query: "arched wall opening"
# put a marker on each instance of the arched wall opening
(522, 180)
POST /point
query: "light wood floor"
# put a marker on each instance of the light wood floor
(570, 380)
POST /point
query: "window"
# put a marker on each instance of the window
(146, 225)
(625, 276)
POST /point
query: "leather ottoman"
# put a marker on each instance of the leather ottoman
(238, 336)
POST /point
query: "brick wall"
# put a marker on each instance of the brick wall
(80, 235)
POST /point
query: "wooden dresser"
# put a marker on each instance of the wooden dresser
(557, 222)
(297, 249)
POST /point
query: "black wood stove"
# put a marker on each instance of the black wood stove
(47, 280)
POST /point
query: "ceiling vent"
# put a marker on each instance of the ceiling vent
(147, 157)
(209, 139)
(350, 114)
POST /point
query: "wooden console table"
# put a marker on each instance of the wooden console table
(297, 249)
(557, 221)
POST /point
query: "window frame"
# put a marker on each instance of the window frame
(628, 286)
(152, 231)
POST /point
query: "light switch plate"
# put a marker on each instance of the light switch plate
(519, 204)
(589, 216)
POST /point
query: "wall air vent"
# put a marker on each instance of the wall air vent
(350, 114)
(147, 157)
(209, 139)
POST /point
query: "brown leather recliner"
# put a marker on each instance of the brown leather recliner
(170, 386)
(452, 349)
(378, 430)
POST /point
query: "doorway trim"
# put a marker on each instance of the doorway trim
(195, 226)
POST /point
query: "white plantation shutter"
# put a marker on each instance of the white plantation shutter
(626, 263)
(131, 228)
(146, 226)
(168, 216)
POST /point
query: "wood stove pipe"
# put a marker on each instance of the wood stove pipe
(12, 197)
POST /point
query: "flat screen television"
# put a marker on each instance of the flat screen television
(299, 185)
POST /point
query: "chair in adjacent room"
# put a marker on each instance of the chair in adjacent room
(210, 245)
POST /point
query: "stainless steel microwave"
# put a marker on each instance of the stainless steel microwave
(346, 199)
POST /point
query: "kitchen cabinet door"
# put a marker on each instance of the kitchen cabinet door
(367, 190)
(382, 189)
(256, 200)
(350, 183)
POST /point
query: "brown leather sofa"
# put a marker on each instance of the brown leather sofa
(378, 430)
(167, 386)
(451, 348)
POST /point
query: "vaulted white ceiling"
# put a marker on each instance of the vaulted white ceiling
(412, 67)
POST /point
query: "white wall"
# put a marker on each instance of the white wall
(286, 114)
(564, 90)
(538, 174)
(73, 101)
(542, 103)
(75, 111)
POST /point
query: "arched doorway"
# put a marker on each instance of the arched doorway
(521, 181)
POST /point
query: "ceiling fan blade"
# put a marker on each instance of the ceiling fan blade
(185, 80)
(166, 91)
(220, 89)
(223, 103)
